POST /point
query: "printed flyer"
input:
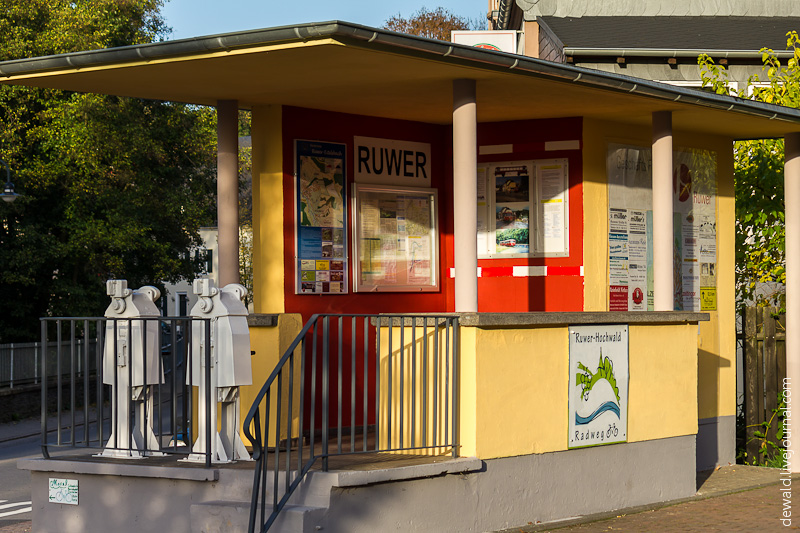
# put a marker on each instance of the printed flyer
(321, 217)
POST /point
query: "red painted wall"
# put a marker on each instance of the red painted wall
(495, 294)
(316, 125)
(554, 292)
(503, 294)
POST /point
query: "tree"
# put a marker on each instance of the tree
(113, 187)
(760, 231)
(436, 24)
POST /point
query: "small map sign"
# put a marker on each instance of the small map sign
(321, 218)
(63, 491)
(598, 385)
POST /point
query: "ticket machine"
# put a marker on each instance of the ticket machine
(230, 368)
(131, 366)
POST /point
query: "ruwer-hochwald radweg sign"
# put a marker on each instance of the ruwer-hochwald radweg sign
(598, 385)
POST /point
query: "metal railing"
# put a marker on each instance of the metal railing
(352, 384)
(20, 362)
(77, 389)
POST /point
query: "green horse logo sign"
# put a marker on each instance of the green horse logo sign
(598, 385)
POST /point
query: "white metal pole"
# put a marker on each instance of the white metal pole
(791, 179)
(228, 190)
(663, 285)
(465, 194)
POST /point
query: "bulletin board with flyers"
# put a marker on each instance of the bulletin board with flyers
(396, 239)
(523, 209)
(630, 229)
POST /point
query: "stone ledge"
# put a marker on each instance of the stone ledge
(135, 469)
(568, 319)
(540, 319)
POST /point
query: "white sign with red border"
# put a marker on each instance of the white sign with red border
(499, 40)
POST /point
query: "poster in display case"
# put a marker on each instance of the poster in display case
(321, 236)
(523, 209)
(396, 239)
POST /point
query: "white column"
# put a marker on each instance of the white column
(228, 190)
(791, 180)
(663, 285)
(465, 194)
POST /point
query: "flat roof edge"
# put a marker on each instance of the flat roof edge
(167, 49)
(392, 41)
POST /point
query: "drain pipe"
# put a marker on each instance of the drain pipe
(505, 14)
(666, 52)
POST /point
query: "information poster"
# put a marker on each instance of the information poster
(396, 239)
(321, 218)
(512, 208)
(523, 209)
(630, 229)
(598, 385)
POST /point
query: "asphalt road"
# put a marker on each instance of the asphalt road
(15, 485)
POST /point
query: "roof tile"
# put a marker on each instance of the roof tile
(674, 33)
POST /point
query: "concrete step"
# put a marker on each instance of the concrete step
(314, 491)
(234, 517)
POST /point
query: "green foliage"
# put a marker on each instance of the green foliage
(246, 260)
(113, 187)
(770, 453)
(760, 233)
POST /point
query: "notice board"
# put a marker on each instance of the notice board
(320, 219)
(630, 229)
(396, 239)
(523, 209)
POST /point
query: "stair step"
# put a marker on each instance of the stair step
(234, 517)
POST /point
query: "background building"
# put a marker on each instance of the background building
(652, 39)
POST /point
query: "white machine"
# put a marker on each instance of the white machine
(131, 365)
(230, 368)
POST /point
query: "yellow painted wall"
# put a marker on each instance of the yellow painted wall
(514, 388)
(662, 392)
(522, 382)
(270, 343)
(268, 271)
(717, 338)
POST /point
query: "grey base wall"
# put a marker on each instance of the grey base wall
(126, 497)
(465, 495)
(716, 442)
(520, 490)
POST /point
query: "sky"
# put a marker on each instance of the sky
(194, 18)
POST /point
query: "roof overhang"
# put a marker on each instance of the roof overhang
(344, 67)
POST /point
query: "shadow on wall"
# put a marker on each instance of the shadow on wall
(709, 430)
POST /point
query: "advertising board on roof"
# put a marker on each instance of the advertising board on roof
(499, 41)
